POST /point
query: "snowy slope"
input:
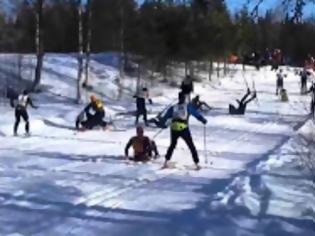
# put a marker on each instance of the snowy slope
(58, 182)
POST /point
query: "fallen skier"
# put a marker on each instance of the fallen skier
(94, 113)
(200, 105)
(242, 104)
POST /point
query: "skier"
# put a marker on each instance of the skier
(11, 95)
(310, 62)
(199, 104)
(94, 113)
(242, 104)
(279, 84)
(23, 100)
(187, 87)
(304, 75)
(143, 147)
(141, 105)
(312, 105)
(180, 127)
(267, 56)
(158, 122)
(257, 60)
(276, 59)
(283, 95)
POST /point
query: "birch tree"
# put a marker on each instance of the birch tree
(39, 44)
(80, 51)
(88, 42)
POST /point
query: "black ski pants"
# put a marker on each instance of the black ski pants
(186, 136)
(141, 112)
(21, 112)
(237, 111)
(303, 86)
(94, 120)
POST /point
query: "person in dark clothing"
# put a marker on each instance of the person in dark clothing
(11, 95)
(94, 113)
(312, 105)
(284, 95)
(279, 84)
(267, 56)
(276, 59)
(23, 100)
(143, 147)
(187, 87)
(200, 104)
(180, 128)
(241, 104)
(257, 60)
(158, 122)
(304, 75)
(141, 105)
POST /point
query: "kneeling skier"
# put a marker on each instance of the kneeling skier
(143, 147)
(94, 113)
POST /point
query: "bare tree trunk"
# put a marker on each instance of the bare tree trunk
(186, 68)
(165, 73)
(138, 78)
(80, 56)
(122, 49)
(210, 69)
(218, 69)
(20, 64)
(88, 43)
(191, 69)
(39, 44)
(225, 66)
(122, 44)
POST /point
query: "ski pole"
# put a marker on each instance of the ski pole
(205, 143)
(157, 134)
(167, 107)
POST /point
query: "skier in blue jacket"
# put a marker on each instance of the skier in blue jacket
(179, 127)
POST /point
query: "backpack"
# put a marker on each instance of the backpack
(99, 105)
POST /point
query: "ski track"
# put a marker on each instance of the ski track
(95, 189)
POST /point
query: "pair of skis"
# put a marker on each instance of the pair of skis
(69, 127)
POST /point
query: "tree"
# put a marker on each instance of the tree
(61, 20)
(293, 7)
(88, 41)
(80, 50)
(39, 44)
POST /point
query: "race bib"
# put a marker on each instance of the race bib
(22, 100)
(180, 112)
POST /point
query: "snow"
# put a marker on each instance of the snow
(59, 182)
